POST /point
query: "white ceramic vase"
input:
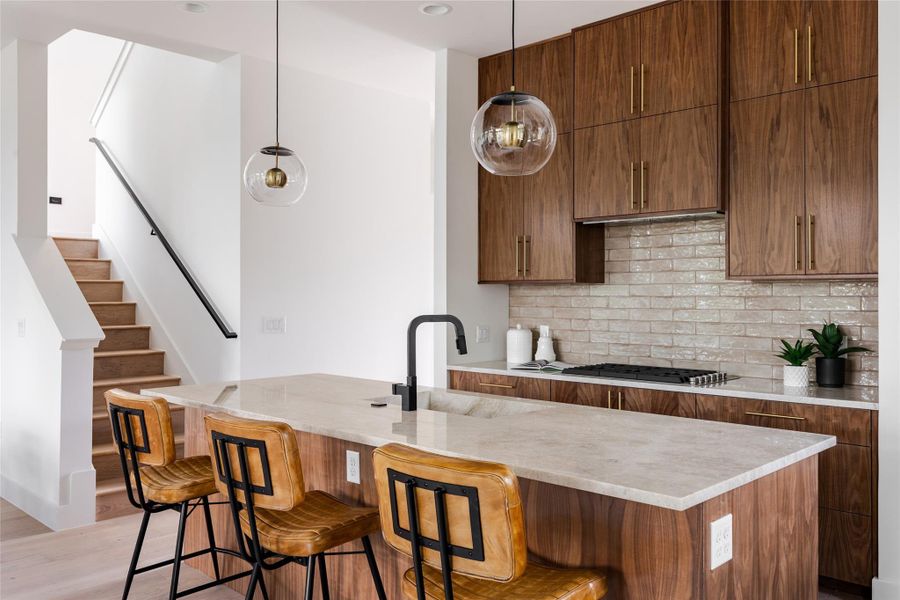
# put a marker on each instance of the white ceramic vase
(796, 376)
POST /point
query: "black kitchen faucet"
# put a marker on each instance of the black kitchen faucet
(408, 392)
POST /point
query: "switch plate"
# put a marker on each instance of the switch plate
(352, 466)
(21, 326)
(720, 541)
(482, 334)
(274, 324)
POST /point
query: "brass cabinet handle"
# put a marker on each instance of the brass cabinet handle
(798, 228)
(642, 185)
(517, 255)
(796, 56)
(631, 88)
(811, 241)
(751, 413)
(642, 87)
(809, 59)
(608, 398)
(525, 250)
(502, 386)
(620, 400)
(631, 188)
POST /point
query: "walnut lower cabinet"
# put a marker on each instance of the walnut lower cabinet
(624, 398)
(501, 385)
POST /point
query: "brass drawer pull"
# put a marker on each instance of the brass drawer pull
(642, 87)
(502, 386)
(631, 88)
(811, 242)
(631, 189)
(642, 185)
(620, 400)
(525, 251)
(608, 398)
(798, 233)
(517, 255)
(751, 413)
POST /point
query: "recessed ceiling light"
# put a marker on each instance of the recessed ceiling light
(194, 7)
(435, 10)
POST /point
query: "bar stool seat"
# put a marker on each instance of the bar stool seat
(538, 583)
(179, 481)
(317, 524)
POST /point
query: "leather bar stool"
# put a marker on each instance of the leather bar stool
(461, 522)
(155, 480)
(280, 522)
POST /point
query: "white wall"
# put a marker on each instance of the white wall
(353, 261)
(887, 584)
(79, 64)
(173, 125)
(46, 328)
(456, 186)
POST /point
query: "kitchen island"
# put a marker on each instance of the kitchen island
(631, 493)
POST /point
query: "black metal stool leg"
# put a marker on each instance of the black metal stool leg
(310, 577)
(251, 587)
(138, 544)
(373, 567)
(179, 544)
(262, 585)
(212, 537)
(323, 578)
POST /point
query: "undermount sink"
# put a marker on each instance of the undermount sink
(482, 407)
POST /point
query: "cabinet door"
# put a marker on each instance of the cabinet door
(606, 170)
(845, 546)
(500, 239)
(546, 70)
(841, 178)
(764, 47)
(657, 402)
(680, 154)
(607, 59)
(500, 385)
(549, 249)
(765, 205)
(840, 40)
(679, 56)
(494, 76)
(584, 394)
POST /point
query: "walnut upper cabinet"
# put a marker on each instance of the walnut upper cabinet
(656, 61)
(527, 230)
(783, 45)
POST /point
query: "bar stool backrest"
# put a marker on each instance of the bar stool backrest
(142, 434)
(458, 515)
(264, 452)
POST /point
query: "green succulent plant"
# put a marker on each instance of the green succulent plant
(797, 354)
(829, 340)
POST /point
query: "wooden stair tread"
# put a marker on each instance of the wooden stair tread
(110, 487)
(115, 281)
(141, 352)
(73, 239)
(136, 380)
(120, 327)
(109, 303)
(108, 448)
(87, 259)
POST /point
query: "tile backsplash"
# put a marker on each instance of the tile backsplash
(666, 302)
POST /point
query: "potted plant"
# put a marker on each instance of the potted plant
(831, 366)
(796, 374)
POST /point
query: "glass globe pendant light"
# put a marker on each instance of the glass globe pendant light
(275, 175)
(513, 133)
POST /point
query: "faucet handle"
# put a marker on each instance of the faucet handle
(395, 388)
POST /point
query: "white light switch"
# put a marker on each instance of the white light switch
(720, 541)
(482, 334)
(274, 324)
(21, 326)
(352, 466)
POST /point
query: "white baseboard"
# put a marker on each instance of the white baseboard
(82, 485)
(883, 589)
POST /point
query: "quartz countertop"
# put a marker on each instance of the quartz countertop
(664, 461)
(743, 387)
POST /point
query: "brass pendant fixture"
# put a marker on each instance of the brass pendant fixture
(513, 133)
(275, 175)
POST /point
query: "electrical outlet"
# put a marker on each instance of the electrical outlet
(21, 327)
(482, 334)
(720, 541)
(352, 466)
(55, 200)
(274, 324)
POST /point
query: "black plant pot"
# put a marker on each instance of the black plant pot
(830, 372)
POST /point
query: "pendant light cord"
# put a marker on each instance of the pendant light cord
(277, 68)
(513, 45)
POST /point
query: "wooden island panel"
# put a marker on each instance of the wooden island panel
(647, 552)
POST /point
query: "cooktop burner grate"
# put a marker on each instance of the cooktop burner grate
(642, 373)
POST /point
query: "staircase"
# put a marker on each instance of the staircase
(123, 360)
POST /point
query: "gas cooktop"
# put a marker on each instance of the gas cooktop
(642, 373)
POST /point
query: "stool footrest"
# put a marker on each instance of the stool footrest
(209, 584)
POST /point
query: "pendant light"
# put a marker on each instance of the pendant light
(275, 175)
(513, 133)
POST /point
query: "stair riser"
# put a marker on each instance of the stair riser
(101, 292)
(110, 506)
(114, 314)
(82, 269)
(125, 339)
(100, 401)
(103, 427)
(78, 248)
(108, 367)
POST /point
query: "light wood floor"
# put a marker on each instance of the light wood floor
(89, 563)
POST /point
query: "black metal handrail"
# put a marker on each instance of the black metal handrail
(207, 303)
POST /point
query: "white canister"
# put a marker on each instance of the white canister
(796, 376)
(518, 345)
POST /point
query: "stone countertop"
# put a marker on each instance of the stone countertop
(664, 461)
(744, 387)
